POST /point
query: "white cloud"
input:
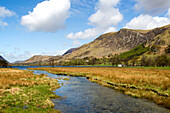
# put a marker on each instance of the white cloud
(87, 34)
(147, 22)
(3, 23)
(47, 16)
(110, 29)
(76, 43)
(105, 17)
(168, 13)
(5, 12)
(12, 57)
(53, 53)
(153, 6)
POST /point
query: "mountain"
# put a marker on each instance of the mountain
(70, 51)
(41, 58)
(121, 41)
(19, 61)
(37, 58)
(1, 58)
(126, 42)
(160, 43)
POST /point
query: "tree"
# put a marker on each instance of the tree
(3, 63)
(167, 49)
(126, 63)
(93, 61)
(150, 61)
(52, 62)
(104, 60)
(143, 60)
(40, 63)
(115, 60)
(134, 60)
(162, 60)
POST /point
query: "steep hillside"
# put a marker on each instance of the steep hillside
(119, 42)
(1, 58)
(70, 51)
(137, 51)
(37, 58)
(160, 43)
(41, 58)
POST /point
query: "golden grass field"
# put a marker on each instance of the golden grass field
(153, 84)
(19, 89)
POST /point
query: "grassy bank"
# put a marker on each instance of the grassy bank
(152, 84)
(24, 92)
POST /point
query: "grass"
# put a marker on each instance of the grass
(23, 91)
(166, 68)
(137, 51)
(152, 84)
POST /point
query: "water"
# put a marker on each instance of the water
(82, 96)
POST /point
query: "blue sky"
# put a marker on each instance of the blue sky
(50, 27)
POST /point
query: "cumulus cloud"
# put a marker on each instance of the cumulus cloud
(147, 22)
(106, 17)
(87, 34)
(110, 29)
(5, 13)
(3, 23)
(47, 16)
(153, 6)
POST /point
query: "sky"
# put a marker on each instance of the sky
(51, 27)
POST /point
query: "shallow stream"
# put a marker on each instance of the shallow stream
(82, 96)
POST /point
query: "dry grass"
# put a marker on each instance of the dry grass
(23, 88)
(14, 77)
(153, 84)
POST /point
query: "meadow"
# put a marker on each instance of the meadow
(24, 92)
(148, 83)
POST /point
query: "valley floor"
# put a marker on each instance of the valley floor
(152, 84)
(24, 92)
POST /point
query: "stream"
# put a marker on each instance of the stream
(82, 96)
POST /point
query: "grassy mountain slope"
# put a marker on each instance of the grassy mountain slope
(126, 42)
(137, 51)
(37, 58)
(41, 59)
(120, 42)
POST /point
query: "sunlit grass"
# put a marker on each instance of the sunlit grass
(24, 91)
